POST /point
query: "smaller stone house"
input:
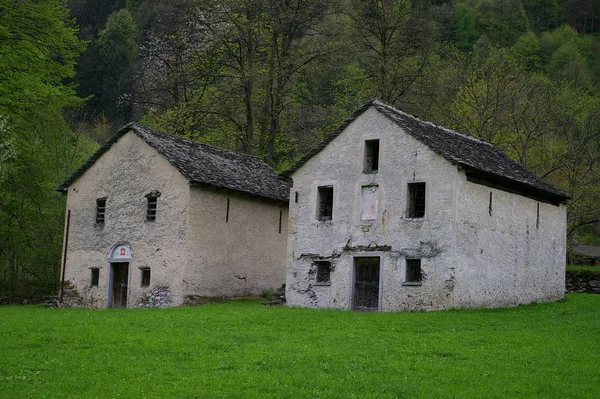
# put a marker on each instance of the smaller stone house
(390, 212)
(155, 220)
(586, 254)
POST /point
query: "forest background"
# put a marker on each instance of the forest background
(271, 78)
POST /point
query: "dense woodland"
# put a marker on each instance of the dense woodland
(271, 77)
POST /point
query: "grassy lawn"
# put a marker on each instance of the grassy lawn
(579, 268)
(240, 349)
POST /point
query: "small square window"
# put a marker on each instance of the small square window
(416, 200)
(145, 277)
(371, 156)
(152, 204)
(413, 271)
(323, 271)
(100, 210)
(95, 276)
(325, 203)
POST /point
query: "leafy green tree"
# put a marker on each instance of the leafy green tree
(379, 26)
(542, 14)
(38, 48)
(118, 49)
(528, 51)
(503, 21)
(465, 28)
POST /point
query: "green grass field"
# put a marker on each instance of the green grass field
(579, 268)
(240, 349)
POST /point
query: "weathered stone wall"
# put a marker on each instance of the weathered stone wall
(237, 251)
(469, 259)
(391, 235)
(510, 256)
(125, 174)
(583, 281)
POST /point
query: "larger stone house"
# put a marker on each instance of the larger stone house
(393, 213)
(155, 220)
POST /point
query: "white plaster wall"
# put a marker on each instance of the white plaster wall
(504, 259)
(125, 174)
(241, 256)
(402, 160)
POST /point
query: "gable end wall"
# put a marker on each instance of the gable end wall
(125, 174)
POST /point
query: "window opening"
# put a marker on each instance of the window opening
(145, 277)
(323, 271)
(152, 205)
(537, 218)
(413, 271)
(325, 202)
(416, 200)
(371, 156)
(95, 276)
(296, 196)
(100, 210)
(490, 206)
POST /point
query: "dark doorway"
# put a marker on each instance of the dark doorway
(366, 286)
(120, 275)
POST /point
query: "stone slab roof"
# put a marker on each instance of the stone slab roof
(202, 164)
(482, 162)
(589, 251)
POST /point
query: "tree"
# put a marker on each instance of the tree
(503, 21)
(379, 26)
(38, 48)
(528, 51)
(118, 49)
(542, 14)
(465, 28)
(245, 71)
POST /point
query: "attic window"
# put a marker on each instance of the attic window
(414, 273)
(416, 200)
(371, 156)
(100, 210)
(95, 278)
(323, 271)
(325, 203)
(145, 277)
(152, 204)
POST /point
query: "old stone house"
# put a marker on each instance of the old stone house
(393, 213)
(155, 220)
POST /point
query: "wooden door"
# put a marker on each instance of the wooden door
(120, 276)
(366, 286)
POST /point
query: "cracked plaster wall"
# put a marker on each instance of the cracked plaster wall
(390, 236)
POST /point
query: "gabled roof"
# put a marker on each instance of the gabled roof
(482, 162)
(202, 164)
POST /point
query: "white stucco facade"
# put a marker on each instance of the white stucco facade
(192, 249)
(468, 257)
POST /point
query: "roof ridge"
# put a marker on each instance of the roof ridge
(135, 125)
(466, 136)
(201, 164)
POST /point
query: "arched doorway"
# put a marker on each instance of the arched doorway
(119, 258)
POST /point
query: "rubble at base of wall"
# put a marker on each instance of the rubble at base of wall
(583, 282)
(71, 297)
(277, 297)
(159, 297)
